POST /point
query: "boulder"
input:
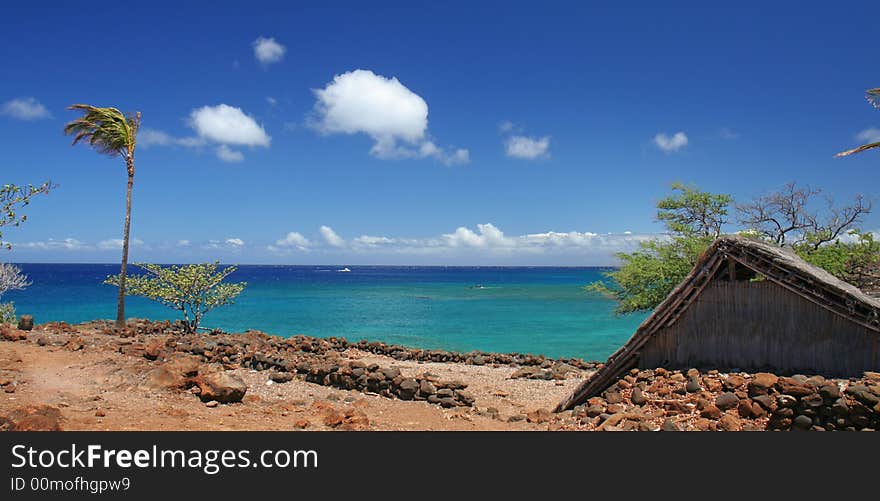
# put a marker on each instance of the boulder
(26, 322)
(221, 386)
(10, 333)
(761, 383)
(726, 400)
(32, 418)
(638, 397)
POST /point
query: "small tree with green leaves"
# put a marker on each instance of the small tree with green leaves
(689, 211)
(12, 198)
(192, 289)
(693, 219)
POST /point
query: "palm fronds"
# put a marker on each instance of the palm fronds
(873, 96)
(860, 149)
(107, 130)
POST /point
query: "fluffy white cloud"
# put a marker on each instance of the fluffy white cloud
(293, 240)
(25, 108)
(528, 148)
(235, 242)
(228, 125)
(870, 135)
(268, 51)
(227, 154)
(183, 243)
(671, 144)
(396, 118)
(331, 237)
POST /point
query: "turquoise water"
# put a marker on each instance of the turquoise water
(517, 309)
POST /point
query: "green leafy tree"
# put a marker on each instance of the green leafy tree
(689, 211)
(12, 198)
(192, 289)
(113, 133)
(645, 277)
(873, 96)
(856, 260)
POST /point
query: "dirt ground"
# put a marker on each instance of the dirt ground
(97, 388)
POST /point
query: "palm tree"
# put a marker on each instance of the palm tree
(112, 133)
(873, 96)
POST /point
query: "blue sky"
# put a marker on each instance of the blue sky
(496, 133)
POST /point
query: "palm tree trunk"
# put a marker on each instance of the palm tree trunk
(120, 302)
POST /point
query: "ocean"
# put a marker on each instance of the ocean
(536, 310)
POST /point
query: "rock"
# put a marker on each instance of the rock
(153, 348)
(26, 322)
(761, 383)
(693, 385)
(745, 408)
(801, 423)
(10, 333)
(74, 343)
(786, 401)
(638, 397)
(479, 360)
(212, 404)
(711, 412)
(726, 400)
(765, 401)
(516, 417)
(427, 388)
(829, 391)
(861, 393)
(595, 410)
(613, 397)
(407, 389)
(302, 424)
(33, 418)
(669, 425)
(734, 382)
(464, 397)
(281, 377)
(221, 386)
(729, 422)
(539, 416)
(793, 387)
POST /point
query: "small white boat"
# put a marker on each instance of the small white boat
(344, 270)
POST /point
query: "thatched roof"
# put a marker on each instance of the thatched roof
(727, 255)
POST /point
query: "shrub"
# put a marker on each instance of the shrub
(192, 289)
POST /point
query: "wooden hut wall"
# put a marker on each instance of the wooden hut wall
(755, 325)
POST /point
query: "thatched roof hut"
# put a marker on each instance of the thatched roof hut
(750, 305)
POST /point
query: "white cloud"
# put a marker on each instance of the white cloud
(331, 237)
(272, 101)
(227, 154)
(25, 108)
(268, 51)
(235, 242)
(869, 135)
(152, 137)
(71, 244)
(226, 124)
(183, 243)
(396, 118)
(528, 148)
(670, 144)
(293, 240)
(116, 243)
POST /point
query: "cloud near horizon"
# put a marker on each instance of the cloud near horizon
(396, 118)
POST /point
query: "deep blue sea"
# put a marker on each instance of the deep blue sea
(517, 309)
